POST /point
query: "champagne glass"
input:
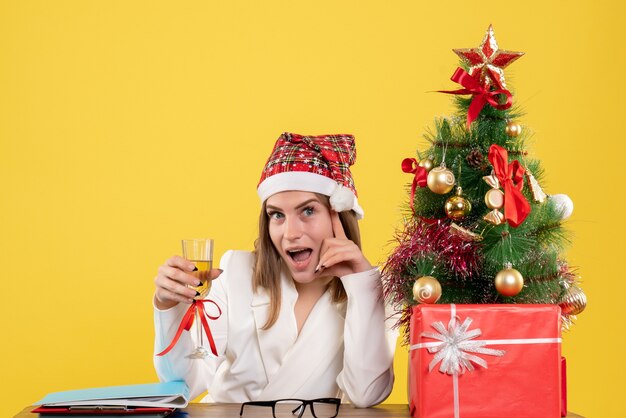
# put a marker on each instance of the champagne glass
(200, 252)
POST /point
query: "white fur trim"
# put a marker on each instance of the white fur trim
(310, 182)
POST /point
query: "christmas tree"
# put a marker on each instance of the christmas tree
(479, 228)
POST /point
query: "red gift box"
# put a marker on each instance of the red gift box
(563, 387)
(485, 361)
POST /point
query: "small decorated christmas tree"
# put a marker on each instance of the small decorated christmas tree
(479, 228)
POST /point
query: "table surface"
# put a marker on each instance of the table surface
(198, 410)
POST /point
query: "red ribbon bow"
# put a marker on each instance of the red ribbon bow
(187, 322)
(411, 166)
(511, 176)
(482, 96)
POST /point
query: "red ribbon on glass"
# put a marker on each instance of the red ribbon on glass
(511, 176)
(411, 166)
(187, 322)
(482, 95)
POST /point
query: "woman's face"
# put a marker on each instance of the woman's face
(299, 222)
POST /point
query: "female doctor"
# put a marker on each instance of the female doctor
(303, 315)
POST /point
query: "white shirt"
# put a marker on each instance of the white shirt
(343, 350)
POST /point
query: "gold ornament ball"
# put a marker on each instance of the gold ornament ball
(440, 180)
(509, 282)
(427, 289)
(457, 207)
(513, 129)
(574, 301)
(494, 199)
(426, 163)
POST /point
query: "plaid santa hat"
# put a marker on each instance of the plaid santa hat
(319, 164)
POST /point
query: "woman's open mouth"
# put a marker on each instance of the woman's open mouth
(300, 256)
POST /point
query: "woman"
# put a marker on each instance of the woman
(303, 315)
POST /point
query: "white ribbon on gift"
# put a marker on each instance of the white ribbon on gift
(456, 345)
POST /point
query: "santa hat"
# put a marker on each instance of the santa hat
(319, 164)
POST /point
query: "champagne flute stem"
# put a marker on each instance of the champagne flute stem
(199, 328)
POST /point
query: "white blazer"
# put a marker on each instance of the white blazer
(342, 351)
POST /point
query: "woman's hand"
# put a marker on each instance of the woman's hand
(172, 280)
(339, 255)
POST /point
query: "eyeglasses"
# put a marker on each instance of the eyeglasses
(290, 408)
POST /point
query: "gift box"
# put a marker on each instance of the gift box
(485, 361)
(563, 387)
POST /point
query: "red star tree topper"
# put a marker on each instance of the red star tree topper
(487, 62)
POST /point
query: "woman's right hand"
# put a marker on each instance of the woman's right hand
(172, 281)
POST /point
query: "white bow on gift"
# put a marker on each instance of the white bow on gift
(454, 350)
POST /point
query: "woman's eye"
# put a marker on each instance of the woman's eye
(275, 215)
(308, 211)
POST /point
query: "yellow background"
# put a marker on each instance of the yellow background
(128, 125)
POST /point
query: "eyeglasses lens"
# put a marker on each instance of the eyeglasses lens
(288, 409)
(324, 410)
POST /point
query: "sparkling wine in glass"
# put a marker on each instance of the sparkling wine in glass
(200, 252)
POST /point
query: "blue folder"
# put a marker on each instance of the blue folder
(166, 395)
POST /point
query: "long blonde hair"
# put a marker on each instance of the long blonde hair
(268, 264)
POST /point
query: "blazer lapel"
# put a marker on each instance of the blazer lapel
(275, 342)
(311, 354)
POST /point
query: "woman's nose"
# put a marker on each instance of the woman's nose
(293, 228)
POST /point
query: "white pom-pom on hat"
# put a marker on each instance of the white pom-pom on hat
(342, 199)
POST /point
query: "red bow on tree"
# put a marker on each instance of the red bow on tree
(511, 177)
(482, 95)
(411, 166)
